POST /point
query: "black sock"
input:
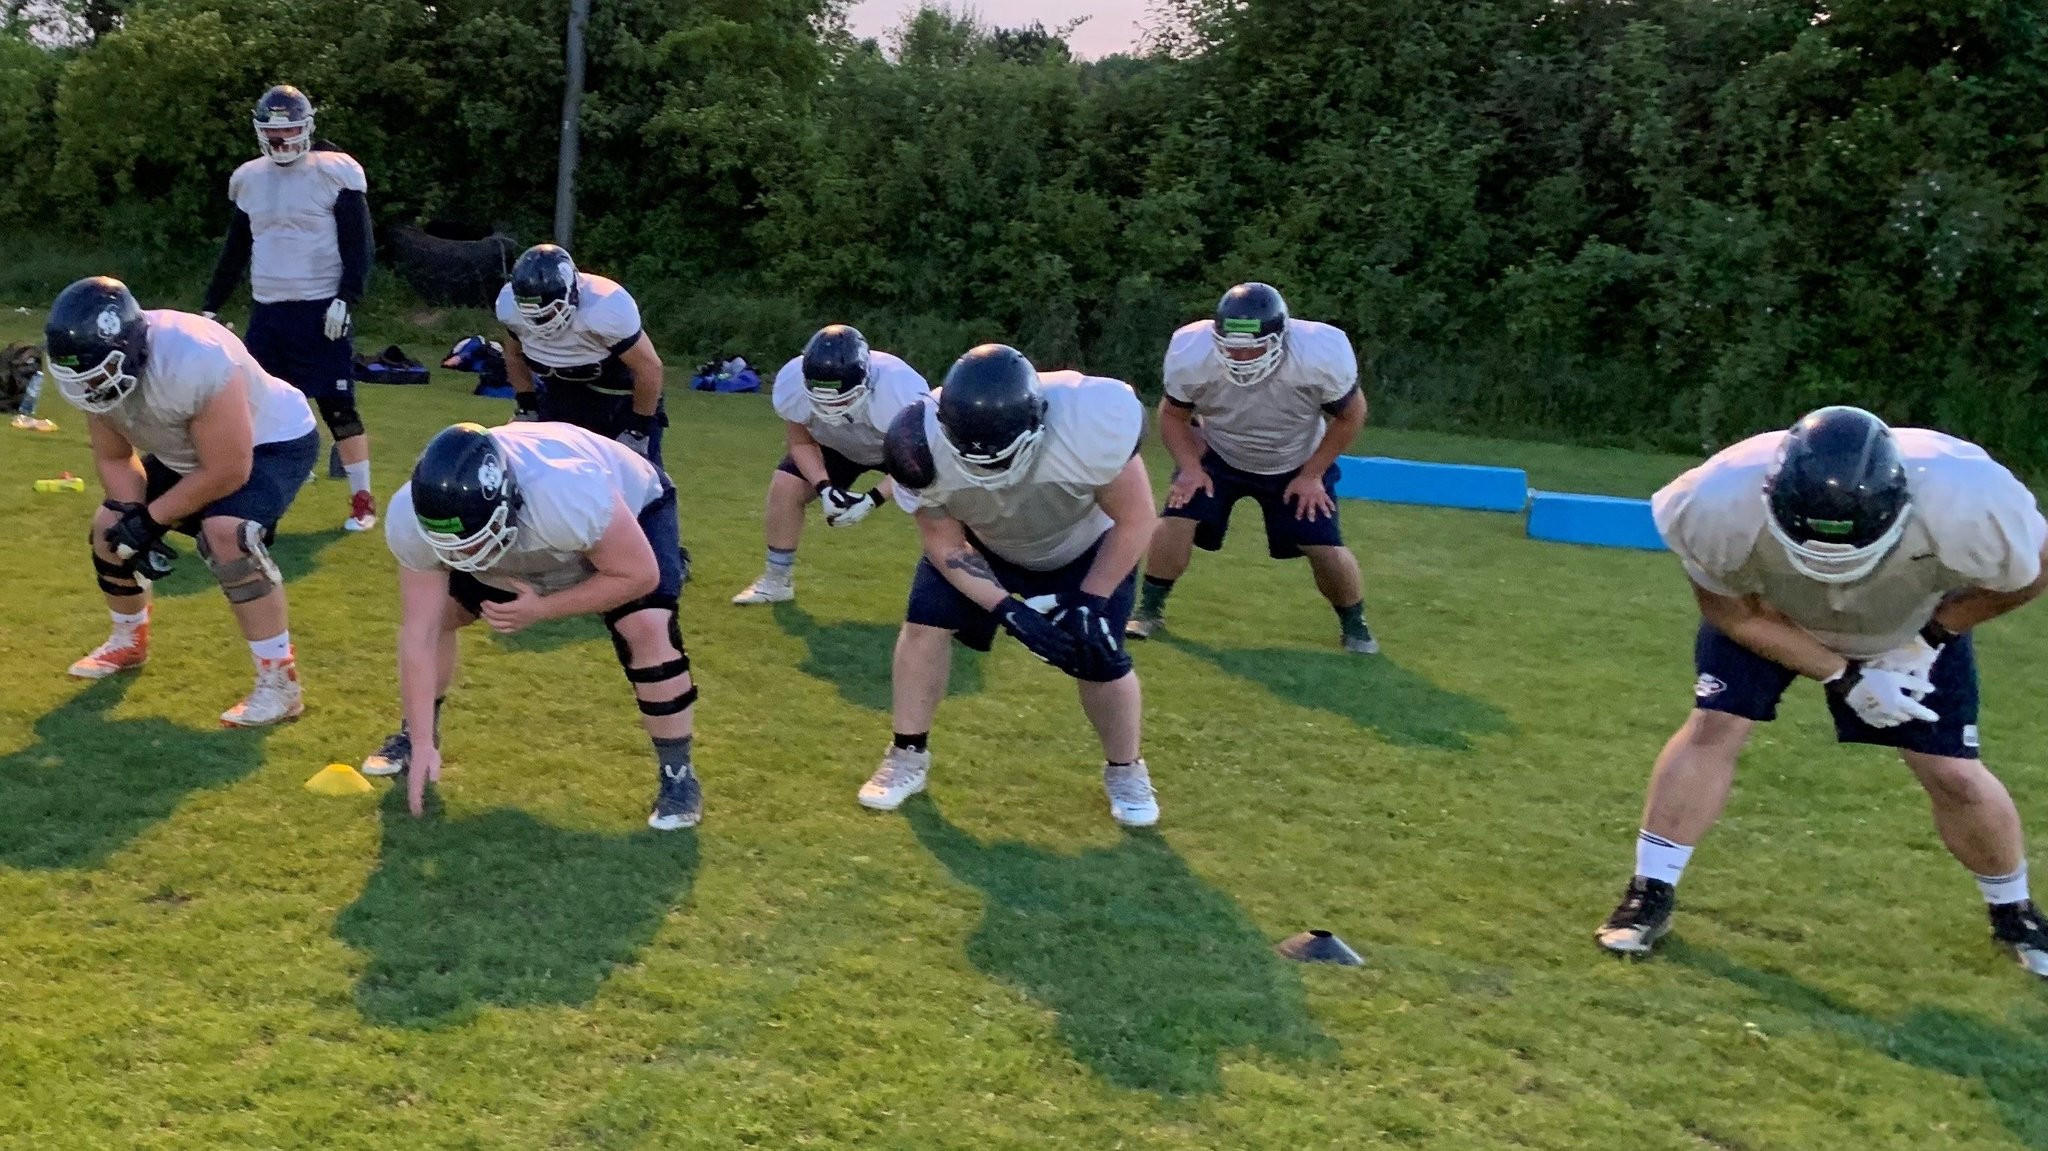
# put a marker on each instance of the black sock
(1352, 618)
(1152, 596)
(673, 755)
(913, 742)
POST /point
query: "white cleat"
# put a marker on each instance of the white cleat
(275, 697)
(901, 776)
(1144, 626)
(1132, 802)
(767, 589)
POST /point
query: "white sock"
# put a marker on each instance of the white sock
(1659, 858)
(274, 649)
(2005, 888)
(126, 622)
(358, 476)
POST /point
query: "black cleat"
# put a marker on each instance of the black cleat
(1641, 919)
(679, 803)
(2019, 927)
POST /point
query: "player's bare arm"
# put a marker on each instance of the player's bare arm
(120, 470)
(645, 364)
(1966, 609)
(1128, 501)
(805, 453)
(626, 571)
(1184, 443)
(224, 440)
(423, 597)
(1306, 490)
(945, 544)
(517, 371)
(1757, 626)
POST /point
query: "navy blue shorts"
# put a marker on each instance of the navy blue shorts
(602, 412)
(276, 472)
(1285, 534)
(1737, 681)
(842, 472)
(289, 339)
(936, 603)
(658, 520)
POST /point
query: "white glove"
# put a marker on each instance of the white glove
(1915, 657)
(208, 315)
(337, 324)
(843, 509)
(1882, 697)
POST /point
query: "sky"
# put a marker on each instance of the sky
(1112, 25)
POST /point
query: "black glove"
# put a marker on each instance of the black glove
(1039, 635)
(636, 440)
(1086, 618)
(526, 406)
(134, 532)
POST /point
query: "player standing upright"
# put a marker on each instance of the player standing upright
(223, 449)
(1023, 486)
(1860, 558)
(530, 522)
(1278, 401)
(836, 401)
(302, 231)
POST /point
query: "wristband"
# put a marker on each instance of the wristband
(1844, 681)
(1937, 635)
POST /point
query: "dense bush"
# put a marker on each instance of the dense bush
(1665, 221)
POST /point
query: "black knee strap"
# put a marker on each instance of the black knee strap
(644, 603)
(106, 573)
(660, 673)
(675, 706)
(342, 419)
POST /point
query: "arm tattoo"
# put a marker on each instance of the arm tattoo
(972, 563)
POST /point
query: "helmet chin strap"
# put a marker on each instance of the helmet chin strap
(1838, 563)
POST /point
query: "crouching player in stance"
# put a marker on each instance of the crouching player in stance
(224, 446)
(1024, 486)
(531, 522)
(1278, 400)
(1861, 558)
(836, 401)
(581, 335)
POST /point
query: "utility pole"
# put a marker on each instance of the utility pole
(572, 113)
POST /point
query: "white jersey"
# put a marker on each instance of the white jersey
(1271, 427)
(1972, 525)
(606, 323)
(294, 251)
(1053, 514)
(191, 358)
(568, 479)
(892, 386)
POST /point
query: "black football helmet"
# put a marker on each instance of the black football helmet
(544, 288)
(284, 124)
(97, 341)
(1251, 317)
(992, 415)
(465, 496)
(1837, 494)
(836, 362)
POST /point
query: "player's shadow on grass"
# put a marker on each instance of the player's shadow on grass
(504, 909)
(1371, 691)
(2009, 1063)
(91, 783)
(855, 657)
(1152, 972)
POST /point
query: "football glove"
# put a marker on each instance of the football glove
(1882, 697)
(636, 440)
(1039, 635)
(134, 533)
(843, 509)
(1915, 657)
(1086, 618)
(525, 407)
(337, 324)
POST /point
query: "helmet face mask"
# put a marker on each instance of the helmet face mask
(1002, 466)
(98, 389)
(284, 124)
(465, 497)
(97, 342)
(1836, 498)
(992, 416)
(836, 364)
(1250, 332)
(544, 289)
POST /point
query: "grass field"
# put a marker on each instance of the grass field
(197, 953)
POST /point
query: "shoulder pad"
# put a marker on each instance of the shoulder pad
(906, 453)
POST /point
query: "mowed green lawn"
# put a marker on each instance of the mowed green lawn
(197, 953)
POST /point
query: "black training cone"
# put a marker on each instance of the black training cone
(1319, 947)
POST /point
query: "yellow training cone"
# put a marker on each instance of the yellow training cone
(337, 779)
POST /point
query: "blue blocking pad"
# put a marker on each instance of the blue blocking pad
(1435, 485)
(1599, 521)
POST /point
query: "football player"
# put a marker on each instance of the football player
(1861, 558)
(1277, 401)
(580, 334)
(302, 232)
(1025, 487)
(836, 401)
(189, 434)
(529, 522)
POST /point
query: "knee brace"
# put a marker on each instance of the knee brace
(662, 672)
(111, 575)
(248, 577)
(343, 422)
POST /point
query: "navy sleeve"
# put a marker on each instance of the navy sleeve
(234, 260)
(352, 231)
(1336, 407)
